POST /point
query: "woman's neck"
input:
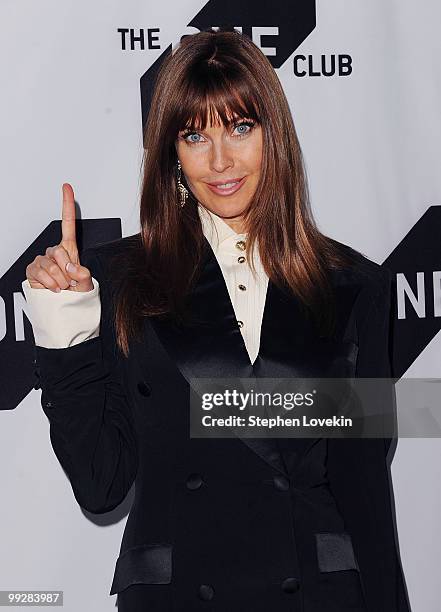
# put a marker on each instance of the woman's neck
(236, 224)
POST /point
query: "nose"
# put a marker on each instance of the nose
(221, 157)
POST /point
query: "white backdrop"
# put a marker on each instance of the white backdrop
(70, 112)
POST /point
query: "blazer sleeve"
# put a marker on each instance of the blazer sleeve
(91, 421)
(358, 469)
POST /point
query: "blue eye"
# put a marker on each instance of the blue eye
(249, 124)
(185, 136)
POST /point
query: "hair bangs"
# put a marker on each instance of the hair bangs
(217, 99)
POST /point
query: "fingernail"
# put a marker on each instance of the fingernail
(73, 283)
(58, 290)
(70, 267)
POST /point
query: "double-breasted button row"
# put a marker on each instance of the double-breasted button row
(289, 585)
(195, 481)
(144, 388)
(206, 591)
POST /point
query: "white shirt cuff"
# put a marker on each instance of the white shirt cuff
(61, 320)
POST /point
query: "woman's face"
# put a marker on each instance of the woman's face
(218, 156)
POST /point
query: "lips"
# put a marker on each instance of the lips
(227, 187)
(232, 180)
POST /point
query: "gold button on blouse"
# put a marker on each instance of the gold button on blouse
(242, 287)
(241, 259)
(240, 244)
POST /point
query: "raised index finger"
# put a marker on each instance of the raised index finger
(68, 215)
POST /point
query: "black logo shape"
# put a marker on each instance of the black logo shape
(17, 376)
(294, 23)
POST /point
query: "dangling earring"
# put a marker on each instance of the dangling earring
(183, 191)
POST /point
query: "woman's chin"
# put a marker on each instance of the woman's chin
(226, 211)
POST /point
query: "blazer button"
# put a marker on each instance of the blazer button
(194, 481)
(144, 388)
(49, 405)
(281, 482)
(290, 585)
(206, 592)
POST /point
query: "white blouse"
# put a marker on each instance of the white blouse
(58, 321)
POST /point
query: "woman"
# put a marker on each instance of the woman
(228, 277)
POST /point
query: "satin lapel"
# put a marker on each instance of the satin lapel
(210, 345)
(290, 347)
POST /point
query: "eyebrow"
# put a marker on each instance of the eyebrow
(229, 123)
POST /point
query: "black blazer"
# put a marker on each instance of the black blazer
(237, 524)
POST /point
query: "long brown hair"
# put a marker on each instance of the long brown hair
(222, 73)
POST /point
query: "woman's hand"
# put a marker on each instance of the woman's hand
(49, 271)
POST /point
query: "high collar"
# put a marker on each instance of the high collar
(220, 235)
